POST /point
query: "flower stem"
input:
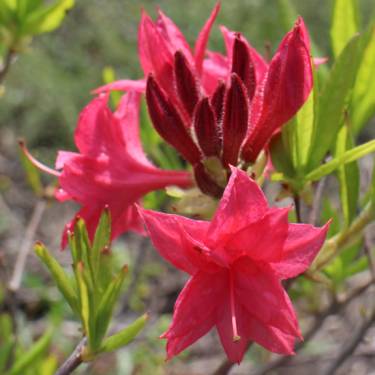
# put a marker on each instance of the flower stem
(343, 239)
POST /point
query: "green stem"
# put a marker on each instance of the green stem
(333, 246)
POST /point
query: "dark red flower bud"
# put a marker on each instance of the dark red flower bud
(168, 123)
(186, 84)
(217, 101)
(243, 65)
(206, 129)
(235, 120)
(206, 183)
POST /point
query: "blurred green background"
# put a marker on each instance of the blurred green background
(51, 82)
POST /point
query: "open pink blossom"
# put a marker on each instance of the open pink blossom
(110, 168)
(236, 263)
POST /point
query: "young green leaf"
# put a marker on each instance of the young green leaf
(84, 303)
(58, 274)
(344, 24)
(363, 101)
(125, 336)
(32, 175)
(47, 18)
(35, 352)
(102, 240)
(347, 157)
(348, 176)
(107, 304)
(280, 155)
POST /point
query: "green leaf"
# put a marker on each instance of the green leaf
(334, 98)
(125, 336)
(32, 174)
(35, 352)
(363, 102)
(58, 274)
(344, 24)
(280, 154)
(348, 176)
(107, 305)
(102, 239)
(347, 157)
(84, 303)
(47, 18)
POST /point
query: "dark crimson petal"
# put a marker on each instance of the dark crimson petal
(242, 64)
(235, 120)
(206, 183)
(168, 123)
(206, 129)
(282, 93)
(217, 101)
(185, 83)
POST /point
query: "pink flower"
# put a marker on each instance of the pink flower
(110, 169)
(236, 263)
(246, 99)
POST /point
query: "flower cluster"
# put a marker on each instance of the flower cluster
(208, 106)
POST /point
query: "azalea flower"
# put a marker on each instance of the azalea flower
(209, 105)
(236, 264)
(110, 168)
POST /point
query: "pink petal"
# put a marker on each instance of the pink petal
(91, 134)
(63, 157)
(301, 247)
(168, 234)
(215, 68)
(260, 64)
(123, 85)
(262, 240)
(270, 337)
(155, 54)
(286, 87)
(201, 43)
(195, 311)
(243, 203)
(173, 35)
(263, 297)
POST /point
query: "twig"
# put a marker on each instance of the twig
(6, 64)
(369, 250)
(227, 365)
(297, 204)
(74, 360)
(136, 272)
(26, 244)
(349, 348)
(314, 214)
(334, 308)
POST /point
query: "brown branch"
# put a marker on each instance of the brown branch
(350, 346)
(227, 365)
(6, 64)
(314, 214)
(297, 205)
(334, 308)
(73, 361)
(26, 245)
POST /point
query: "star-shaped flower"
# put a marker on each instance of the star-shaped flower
(236, 263)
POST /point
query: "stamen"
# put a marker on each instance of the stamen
(236, 336)
(35, 162)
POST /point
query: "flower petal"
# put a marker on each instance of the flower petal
(201, 43)
(261, 240)
(123, 85)
(263, 297)
(284, 90)
(243, 203)
(169, 235)
(300, 248)
(195, 311)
